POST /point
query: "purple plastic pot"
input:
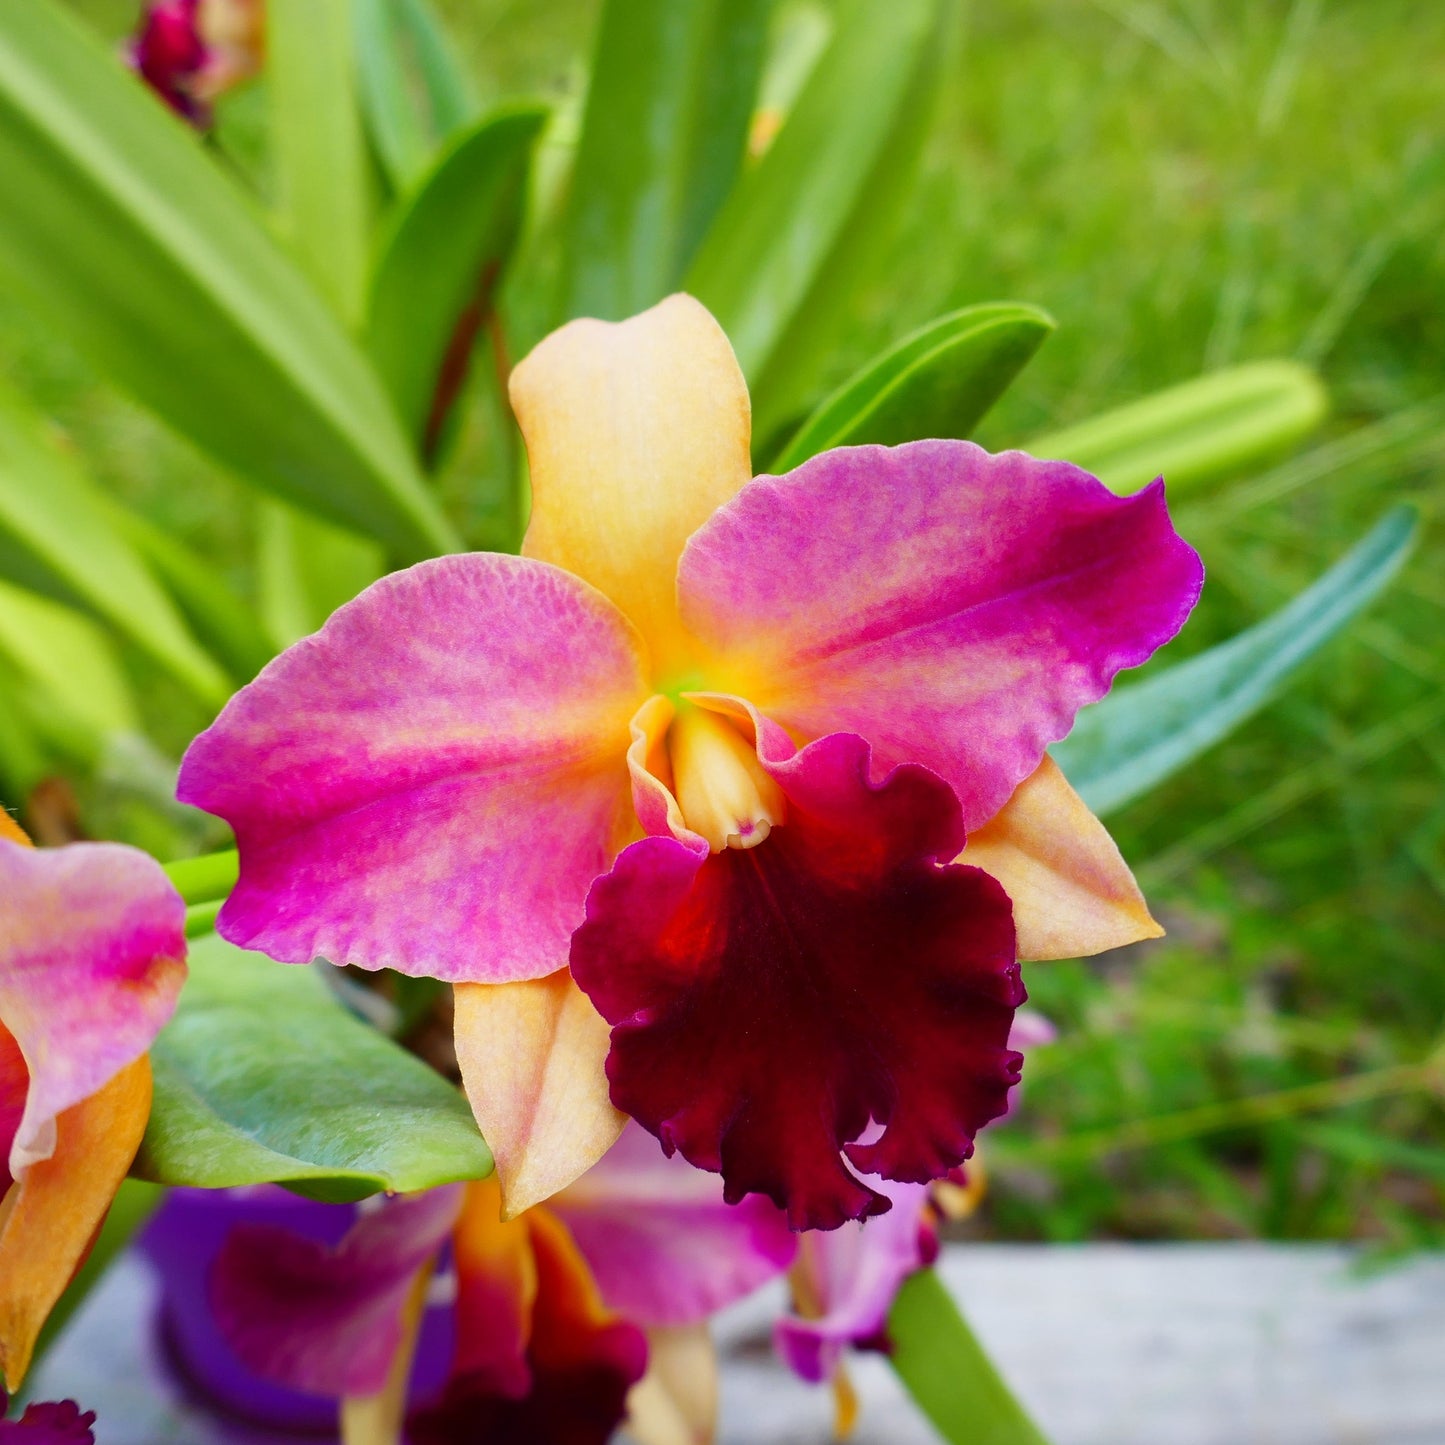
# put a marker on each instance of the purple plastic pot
(182, 1242)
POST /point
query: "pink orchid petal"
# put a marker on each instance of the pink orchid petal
(954, 608)
(853, 1275)
(432, 781)
(327, 1320)
(92, 956)
(768, 1004)
(662, 1244)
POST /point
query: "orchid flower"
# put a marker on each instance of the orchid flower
(92, 956)
(48, 1423)
(191, 51)
(557, 1313)
(713, 743)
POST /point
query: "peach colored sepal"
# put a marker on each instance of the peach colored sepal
(533, 1058)
(12, 830)
(1072, 892)
(637, 431)
(675, 1402)
(377, 1419)
(50, 1216)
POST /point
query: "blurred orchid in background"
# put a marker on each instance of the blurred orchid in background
(92, 956)
(48, 1423)
(191, 51)
(562, 1320)
(803, 692)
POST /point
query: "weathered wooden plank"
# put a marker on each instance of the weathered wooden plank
(1109, 1344)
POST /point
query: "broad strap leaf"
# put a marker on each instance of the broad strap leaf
(937, 382)
(1204, 430)
(263, 1077)
(1143, 733)
(663, 137)
(121, 230)
(946, 1371)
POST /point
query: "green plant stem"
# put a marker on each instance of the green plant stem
(206, 879)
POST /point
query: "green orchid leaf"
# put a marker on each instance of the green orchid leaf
(318, 147)
(944, 1368)
(57, 538)
(305, 570)
(217, 616)
(1207, 429)
(663, 137)
(414, 91)
(263, 1077)
(1142, 733)
(64, 671)
(802, 227)
(440, 261)
(938, 382)
(119, 228)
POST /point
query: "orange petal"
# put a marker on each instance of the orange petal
(49, 1218)
(533, 1058)
(637, 431)
(1072, 892)
(497, 1292)
(675, 1402)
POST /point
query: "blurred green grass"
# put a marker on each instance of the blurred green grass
(1185, 184)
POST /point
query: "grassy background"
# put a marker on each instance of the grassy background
(1184, 184)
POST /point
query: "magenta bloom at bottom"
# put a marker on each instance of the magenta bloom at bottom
(58, 1423)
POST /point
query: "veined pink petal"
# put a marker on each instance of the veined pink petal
(768, 1003)
(954, 608)
(328, 1320)
(662, 1245)
(431, 782)
(845, 1283)
(92, 956)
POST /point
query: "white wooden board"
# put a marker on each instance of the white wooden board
(1108, 1344)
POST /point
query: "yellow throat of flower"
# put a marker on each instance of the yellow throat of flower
(720, 786)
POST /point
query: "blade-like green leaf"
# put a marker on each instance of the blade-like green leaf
(1140, 734)
(937, 382)
(1206, 429)
(65, 667)
(804, 220)
(222, 621)
(942, 1365)
(318, 148)
(306, 569)
(57, 538)
(263, 1077)
(440, 260)
(413, 89)
(123, 232)
(666, 125)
